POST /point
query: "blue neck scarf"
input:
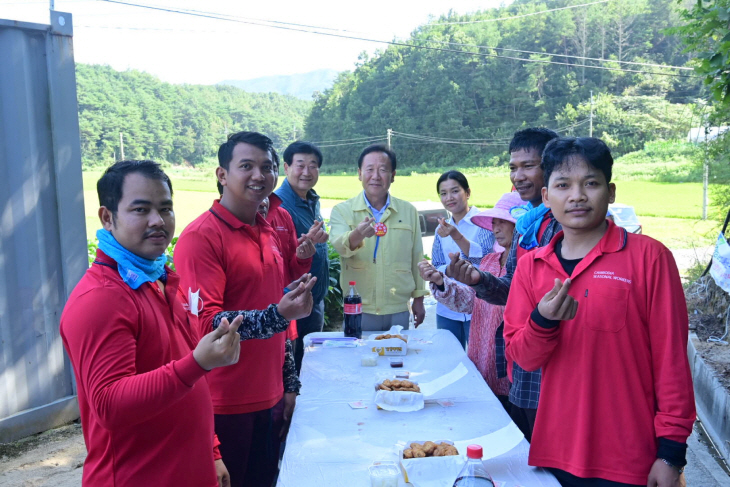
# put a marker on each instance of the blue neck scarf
(133, 269)
(528, 225)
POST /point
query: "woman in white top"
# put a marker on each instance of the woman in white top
(457, 234)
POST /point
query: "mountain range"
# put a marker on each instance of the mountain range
(301, 85)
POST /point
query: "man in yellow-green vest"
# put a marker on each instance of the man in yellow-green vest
(378, 237)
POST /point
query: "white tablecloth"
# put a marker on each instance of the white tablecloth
(331, 444)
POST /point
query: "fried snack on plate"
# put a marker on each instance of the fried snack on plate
(429, 447)
(450, 451)
(388, 336)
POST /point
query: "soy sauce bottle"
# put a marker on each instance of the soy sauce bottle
(353, 313)
(473, 474)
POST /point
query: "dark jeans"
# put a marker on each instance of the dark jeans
(524, 418)
(250, 445)
(460, 329)
(569, 480)
(311, 324)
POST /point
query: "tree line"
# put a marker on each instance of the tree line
(179, 124)
(457, 109)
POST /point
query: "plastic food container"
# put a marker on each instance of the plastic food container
(369, 359)
(396, 362)
(384, 474)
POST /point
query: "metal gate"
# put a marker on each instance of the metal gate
(42, 225)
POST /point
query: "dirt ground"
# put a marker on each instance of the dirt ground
(716, 355)
(50, 459)
(708, 315)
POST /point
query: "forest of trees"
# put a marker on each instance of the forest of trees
(435, 101)
(180, 124)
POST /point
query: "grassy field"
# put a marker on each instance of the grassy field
(669, 212)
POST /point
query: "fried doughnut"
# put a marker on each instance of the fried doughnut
(387, 383)
(419, 454)
(407, 453)
(383, 387)
(416, 446)
(450, 451)
(429, 447)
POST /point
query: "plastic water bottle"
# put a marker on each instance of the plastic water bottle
(353, 313)
(473, 474)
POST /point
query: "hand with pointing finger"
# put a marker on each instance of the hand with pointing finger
(430, 273)
(557, 304)
(220, 347)
(297, 303)
(365, 228)
(362, 231)
(318, 233)
(462, 270)
(305, 247)
(446, 229)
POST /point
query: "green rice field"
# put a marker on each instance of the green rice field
(669, 212)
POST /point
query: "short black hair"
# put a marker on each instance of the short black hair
(560, 151)
(110, 185)
(300, 147)
(377, 148)
(532, 138)
(456, 176)
(225, 151)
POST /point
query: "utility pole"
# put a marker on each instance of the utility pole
(389, 134)
(590, 132)
(121, 145)
(706, 172)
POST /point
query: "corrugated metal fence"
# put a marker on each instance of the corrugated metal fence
(42, 225)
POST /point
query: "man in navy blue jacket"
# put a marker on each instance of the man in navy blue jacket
(302, 161)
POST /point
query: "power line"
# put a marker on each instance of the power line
(602, 60)
(355, 139)
(519, 16)
(395, 43)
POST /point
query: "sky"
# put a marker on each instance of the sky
(185, 49)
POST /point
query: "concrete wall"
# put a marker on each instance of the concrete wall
(42, 226)
(713, 402)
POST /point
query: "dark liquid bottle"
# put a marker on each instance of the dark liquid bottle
(353, 313)
(474, 474)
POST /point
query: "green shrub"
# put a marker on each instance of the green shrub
(333, 315)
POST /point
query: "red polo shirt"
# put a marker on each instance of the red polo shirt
(236, 267)
(616, 377)
(146, 414)
(281, 220)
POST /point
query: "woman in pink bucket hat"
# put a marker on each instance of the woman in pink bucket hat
(486, 317)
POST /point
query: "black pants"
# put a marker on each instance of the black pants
(569, 480)
(524, 418)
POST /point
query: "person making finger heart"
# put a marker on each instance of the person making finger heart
(602, 312)
(457, 234)
(378, 237)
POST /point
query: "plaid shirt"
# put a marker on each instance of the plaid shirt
(525, 390)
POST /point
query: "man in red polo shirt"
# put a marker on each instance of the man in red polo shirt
(234, 258)
(602, 312)
(145, 405)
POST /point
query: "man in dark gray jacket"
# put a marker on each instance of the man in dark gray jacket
(302, 161)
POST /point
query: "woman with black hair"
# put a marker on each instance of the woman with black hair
(457, 234)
